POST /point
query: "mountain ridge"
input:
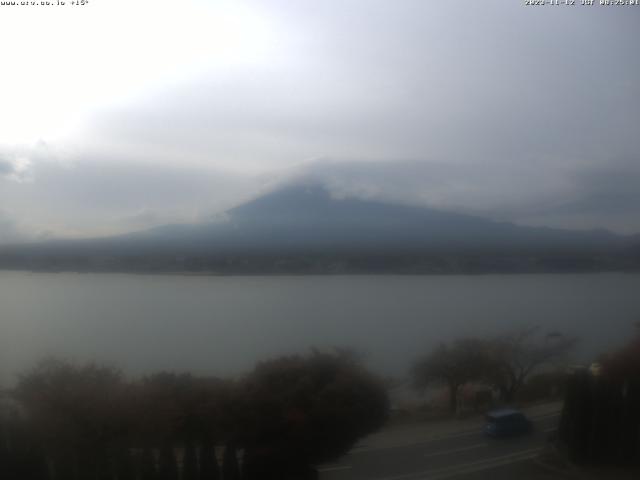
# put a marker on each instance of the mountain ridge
(278, 229)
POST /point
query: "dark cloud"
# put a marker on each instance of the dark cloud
(612, 188)
(491, 108)
(85, 197)
(605, 194)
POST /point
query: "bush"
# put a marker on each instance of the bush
(301, 411)
(543, 386)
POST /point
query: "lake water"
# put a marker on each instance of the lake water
(223, 325)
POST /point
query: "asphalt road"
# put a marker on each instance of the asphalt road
(466, 455)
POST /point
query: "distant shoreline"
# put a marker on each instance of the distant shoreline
(187, 273)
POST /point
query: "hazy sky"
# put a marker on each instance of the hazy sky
(119, 115)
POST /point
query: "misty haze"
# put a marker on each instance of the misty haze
(319, 240)
(223, 325)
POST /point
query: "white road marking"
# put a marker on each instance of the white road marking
(365, 449)
(333, 469)
(464, 433)
(469, 467)
(466, 469)
(545, 416)
(456, 450)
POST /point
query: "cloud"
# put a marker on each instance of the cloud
(482, 188)
(605, 194)
(362, 80)
(449, 105)
(16, 160)
(144, 218)
(79, 196)
(105, 196)
(607, 188)
(6, 167)
(10, 230)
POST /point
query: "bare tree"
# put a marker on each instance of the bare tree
(453, 365)
(300, 411)
(513, 357)
(77, 413)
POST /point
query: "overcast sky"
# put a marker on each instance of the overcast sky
(120, 115)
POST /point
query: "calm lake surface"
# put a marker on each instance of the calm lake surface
(223, 325)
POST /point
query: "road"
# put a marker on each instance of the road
(467, 455)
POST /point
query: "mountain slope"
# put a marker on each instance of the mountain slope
(305, 223)
(309, 218)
